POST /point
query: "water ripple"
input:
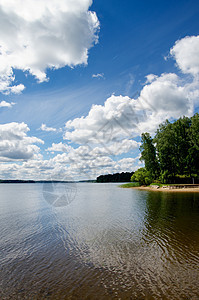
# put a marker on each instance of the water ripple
(109, 243)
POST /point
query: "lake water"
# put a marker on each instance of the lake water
(107, 243)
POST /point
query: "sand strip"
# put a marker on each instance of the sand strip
(179, 190)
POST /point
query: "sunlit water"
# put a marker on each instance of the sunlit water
(108, 243)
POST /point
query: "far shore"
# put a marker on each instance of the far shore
(167, 190)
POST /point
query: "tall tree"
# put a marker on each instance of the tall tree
(193, 152)
(166, 149)
(181, 129)
(194, 130)
(177, 147)
(148, 155)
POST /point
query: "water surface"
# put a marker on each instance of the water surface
(108, 243)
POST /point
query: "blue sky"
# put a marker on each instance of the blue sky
(91, 61)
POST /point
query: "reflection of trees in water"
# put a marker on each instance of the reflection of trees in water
(170, 243)
(174, 217)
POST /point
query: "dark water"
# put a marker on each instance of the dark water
(108, 243)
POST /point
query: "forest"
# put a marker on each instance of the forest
(118, 177)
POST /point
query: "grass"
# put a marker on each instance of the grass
(130, 184)
(157, 183)
(165, 184)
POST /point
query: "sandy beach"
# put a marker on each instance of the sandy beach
(167, 190)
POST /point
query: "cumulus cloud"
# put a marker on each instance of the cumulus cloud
(167, 95)
(87, 153)
(15, 144)
(186, 54)
(60, 147)
(90, 167)
(115, 148)
(59, 168)
(150, 78)
(6, 104)
(36, 35)
(46, 128)
(83, 162)
(104, 123)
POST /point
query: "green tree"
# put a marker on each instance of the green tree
(166, 148)
(193, 151)
(182, 144)
(177, 147)
(148, 155)
(194, 131)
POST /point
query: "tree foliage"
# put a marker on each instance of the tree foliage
(148, 155)
(142, 176)
(173, 151)
(117, 177)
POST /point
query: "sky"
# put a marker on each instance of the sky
(80, 80)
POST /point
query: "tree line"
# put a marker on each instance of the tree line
(172, 156)
(118, 177)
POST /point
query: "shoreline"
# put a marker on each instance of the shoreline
(179, 190)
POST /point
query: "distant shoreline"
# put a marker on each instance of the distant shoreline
(10, 181)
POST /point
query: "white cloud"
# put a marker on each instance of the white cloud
(115, 148)
(15, 144)
(127, 164)
(99, 75)
(166, 97)
(6, 80)
(6, 104)
(58, 168)
(87, 153)
(60, 147)
(104, 123)
(16, 89)
(150, 78)
(36, 35)
(166, 94)
(90, 167)
(46, 128)
(186, 54)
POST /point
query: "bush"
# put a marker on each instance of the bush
(142, 176)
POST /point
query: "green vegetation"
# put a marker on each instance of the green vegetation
(142, 176)
(172, 156)
(158, 184)
(130, 184)
(118, 177)
(148, 155)
(16, 181)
